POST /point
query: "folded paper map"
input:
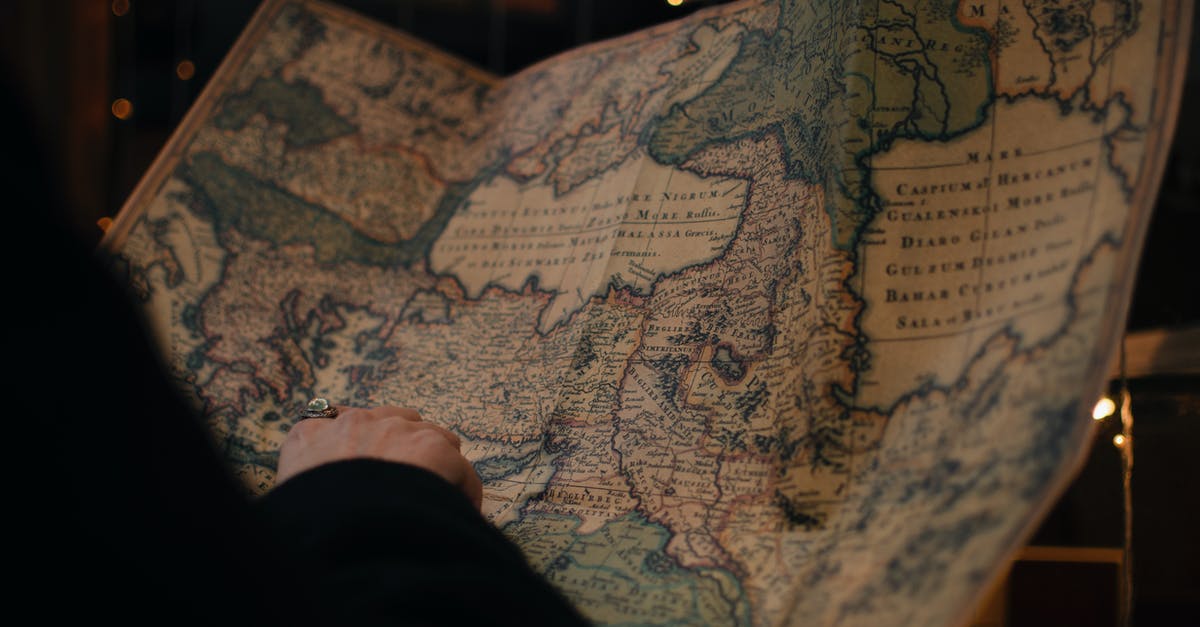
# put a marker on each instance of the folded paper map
(782, 313)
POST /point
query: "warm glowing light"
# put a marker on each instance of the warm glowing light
(120, 7)
(104, 223)
(185, 70)
(122, 109)
(674, 3)
(1118, 440)
(1104, 408)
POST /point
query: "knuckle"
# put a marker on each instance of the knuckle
(395, 429)
(452, 437)
(426, 436)
(405, 413)
(431, 439)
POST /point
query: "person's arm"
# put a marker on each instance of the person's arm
(383, 511)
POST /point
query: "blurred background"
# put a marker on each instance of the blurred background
(106, 82)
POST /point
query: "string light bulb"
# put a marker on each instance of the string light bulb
(122, 109)
(1104, 408)
(185, 70)
(1118, 440)
(675, 3)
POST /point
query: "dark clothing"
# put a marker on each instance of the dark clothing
(121, 509)
(392, 541)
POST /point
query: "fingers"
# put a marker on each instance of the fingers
(388, 432)
(385, 411)
(451, 465)
(392, 411)
(403, 413)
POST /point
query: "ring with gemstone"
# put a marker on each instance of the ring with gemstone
(318, 408)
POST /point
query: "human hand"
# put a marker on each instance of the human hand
(395, 434)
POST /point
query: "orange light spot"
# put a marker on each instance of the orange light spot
(185, 70)
(674, 3)
(120, 7)
(104, 223)
(1118, 440)
(122, 109)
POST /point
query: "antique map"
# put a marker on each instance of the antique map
(784, 312)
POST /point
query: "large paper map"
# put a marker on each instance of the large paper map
(782, 312)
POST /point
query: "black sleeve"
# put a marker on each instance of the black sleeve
(118, 508)
(395, 544)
